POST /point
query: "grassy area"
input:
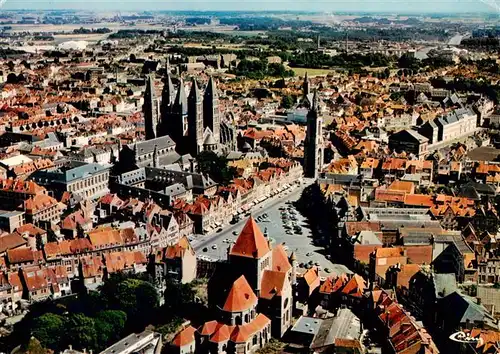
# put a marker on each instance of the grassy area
(311, 72)
(274, 346)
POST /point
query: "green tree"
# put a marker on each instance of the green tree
(104, 333)
(287, 102)
(109, 325)
(216, 167)
(137, 298)
(81, 331)
(34, 347)
(116, 318)
(48, 329)
(178, 296)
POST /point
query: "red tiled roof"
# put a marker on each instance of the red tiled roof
(353, 227)
(178, 250)
(92, 266)
(407, 271)
(21, 255)
(419, 200)
(311, 277)
(11, 241)
(280, 259)
(105, 236)
(241, 296)
(251, 242)
(273, 283)
(362, 252)
(355, 286)
(333, 284)
(222, 334)
(208, 328)
(242, 333)
(30, 229)
(419, 254)
(184, 337)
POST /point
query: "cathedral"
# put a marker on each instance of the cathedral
(193, 120)
(251, 295)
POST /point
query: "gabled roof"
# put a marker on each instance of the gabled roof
(251, 242)
(222, 334)
(208, 328)
(11, 241)
(184, 337)
(280, 260)
(273, 284)
(241, 296)
(242, 333)
(311, 277)
(179, 249)
(355, 286)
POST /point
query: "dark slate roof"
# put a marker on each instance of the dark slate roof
(444, 284)
(417, 136)
(148, 146)
(479, 188)
(345, 325)
(459, 309)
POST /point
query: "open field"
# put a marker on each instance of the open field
(312, 72)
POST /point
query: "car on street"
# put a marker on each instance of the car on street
(214, 247)
(205, 249)
(235, 232)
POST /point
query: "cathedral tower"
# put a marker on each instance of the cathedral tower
(150, 109)
(211, 113)
(306, 86)
(176, 125)
(313, 150)
(167, 99)
(195, 120)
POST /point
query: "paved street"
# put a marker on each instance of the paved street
(213, 246)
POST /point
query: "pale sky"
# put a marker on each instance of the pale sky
(393, 6)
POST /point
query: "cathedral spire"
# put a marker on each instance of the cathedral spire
(150, 109)
(168, 93)
(315, 102)
(313, 147)
(167, 65)
(195, 91)
(211, 112)
(181, 99)
(306, 86)
(211, 91)
(195, 119)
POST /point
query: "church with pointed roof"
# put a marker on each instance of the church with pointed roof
(252, 292)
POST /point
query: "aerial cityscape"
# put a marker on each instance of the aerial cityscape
(249, 178)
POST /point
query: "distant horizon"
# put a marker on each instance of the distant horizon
(391, 7)
(201, 12)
